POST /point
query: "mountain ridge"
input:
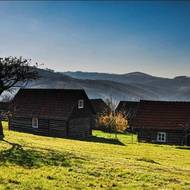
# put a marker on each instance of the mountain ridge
(135, 73)
(129, 86)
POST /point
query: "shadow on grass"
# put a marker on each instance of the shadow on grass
(30, 158)
(183, 147)
(148, 160)
(103, 140)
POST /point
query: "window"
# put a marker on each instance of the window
(35, 122)
(161, 137)
(80, 104)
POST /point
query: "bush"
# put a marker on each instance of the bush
(114, 123)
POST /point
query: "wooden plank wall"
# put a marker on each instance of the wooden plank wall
(77, 127)
(172, 137)
(25, 125)
(57, 128)
(80, 127)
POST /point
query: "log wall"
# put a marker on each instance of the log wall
(80, 127)
(57, 128)
(25, 125)
(76, 127)
(174, 137)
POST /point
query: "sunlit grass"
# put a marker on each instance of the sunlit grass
(36, 162)
(5, 125)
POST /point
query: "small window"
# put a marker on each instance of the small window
(35, 122)
(80, 104)
(161, 137)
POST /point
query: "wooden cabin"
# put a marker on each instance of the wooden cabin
(52, 112)
(163, 122)
(128, 109)
(100, 107)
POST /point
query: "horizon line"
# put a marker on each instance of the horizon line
(111, 73)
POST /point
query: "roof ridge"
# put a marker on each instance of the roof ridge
(52, 89)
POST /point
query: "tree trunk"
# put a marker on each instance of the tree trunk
(1, 131)
(1, 127)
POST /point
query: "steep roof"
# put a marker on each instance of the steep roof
(48, 103)
(128, 108)
(163, 115)
(99, 106)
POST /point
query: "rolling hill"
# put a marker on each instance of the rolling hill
(131, 86)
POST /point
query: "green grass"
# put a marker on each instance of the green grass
(33, 162)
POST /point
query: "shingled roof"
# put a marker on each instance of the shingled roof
(128, 108)
(163, 115)
(100, 106)
(48, 103)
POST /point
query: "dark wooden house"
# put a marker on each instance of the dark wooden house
(100, 107)
(163, 122)
(128, 109)
(52, 112)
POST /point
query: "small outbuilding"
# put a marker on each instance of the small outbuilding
(52, 112)
(128, 109)
(163, 122)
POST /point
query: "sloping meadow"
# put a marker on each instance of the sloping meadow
(35, 162)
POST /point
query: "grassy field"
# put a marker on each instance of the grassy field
(34, 162)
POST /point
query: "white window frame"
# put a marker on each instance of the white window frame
(80, 104)
(161, 137)
(35, 122)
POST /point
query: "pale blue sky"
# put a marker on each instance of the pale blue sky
(114, 37)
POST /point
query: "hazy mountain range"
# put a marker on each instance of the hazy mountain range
(130, 86)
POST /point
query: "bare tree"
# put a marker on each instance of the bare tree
(111, 102)
(15, 72)
(113, 122)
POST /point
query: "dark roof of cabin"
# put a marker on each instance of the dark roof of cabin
(48, 103)
(128, 108)
(163, 115)
(99, 106)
